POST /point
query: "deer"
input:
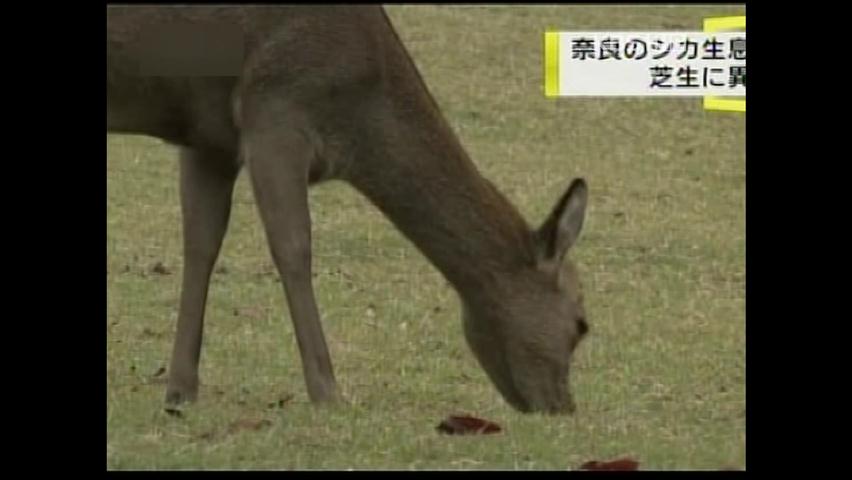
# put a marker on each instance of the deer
(299, 95)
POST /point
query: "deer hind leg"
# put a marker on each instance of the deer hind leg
(279, 155)
(206, 186)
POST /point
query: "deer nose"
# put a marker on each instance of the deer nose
(566, 407)
(569, 406)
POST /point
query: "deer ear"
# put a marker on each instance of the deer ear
(562, 228)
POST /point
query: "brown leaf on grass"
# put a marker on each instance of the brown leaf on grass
(248, 424)
(147, 332)
(158, 377)
(466, 424)
(255, 313)
(281, 401)
(174, 412)
(160, 269)
(619, 464)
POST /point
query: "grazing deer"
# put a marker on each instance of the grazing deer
(305, 94)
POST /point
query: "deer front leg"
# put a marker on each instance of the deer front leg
(278, 159)
(206, 185)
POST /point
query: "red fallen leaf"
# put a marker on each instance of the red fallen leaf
(620, 464)
(465, 424)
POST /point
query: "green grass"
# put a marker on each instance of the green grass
(661, 377)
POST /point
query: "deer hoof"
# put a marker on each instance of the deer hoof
(178, 393)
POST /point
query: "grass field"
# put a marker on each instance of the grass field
(661, 377)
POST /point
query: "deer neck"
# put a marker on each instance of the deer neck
(414, 169)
